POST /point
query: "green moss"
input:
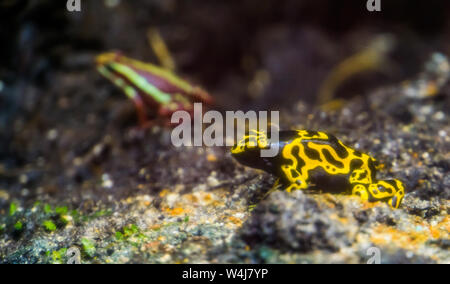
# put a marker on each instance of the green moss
(48, 209)
(101, 213)
(76, 216)
(12, 209)
(129, 231)
(119, 236)
(57, 256)
(49, 225)
(18, 226)
(61, 210)
(79, 218)
(97, 214)
(171, 224)
(88, 246)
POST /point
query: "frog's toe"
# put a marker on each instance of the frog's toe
(361, 191)
(297, 185)
(396, 200)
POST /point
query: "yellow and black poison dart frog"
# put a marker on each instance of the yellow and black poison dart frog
(304, 157)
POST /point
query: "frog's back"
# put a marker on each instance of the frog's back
(312, 150)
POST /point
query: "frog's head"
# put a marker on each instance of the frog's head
(248, 150)
(108, 57)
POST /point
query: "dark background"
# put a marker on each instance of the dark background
(298, 42)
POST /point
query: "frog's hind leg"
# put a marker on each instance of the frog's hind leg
(391, 191)
(397, 199)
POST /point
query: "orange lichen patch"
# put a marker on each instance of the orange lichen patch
(152, 245)
(155, 227)
(329, 200)
(207, 197)
(381, 166)
(443, 227)
(217, 203)
(384, 236)
(211, 158)
(421, 181)
(247, 248)
(204, 198)
(432, 89)
(331, 205)
(164, 192)
(175, 211)
(191, 198)
(446, 223)
(435, 233)
(411, 239)
(370, 205)
(235, 220)
(340, 219)
(141, 186)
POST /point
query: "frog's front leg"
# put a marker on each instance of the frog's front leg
(361, 190)
(360, 176)
(141, 109)
(276, 186)
(293, 178)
